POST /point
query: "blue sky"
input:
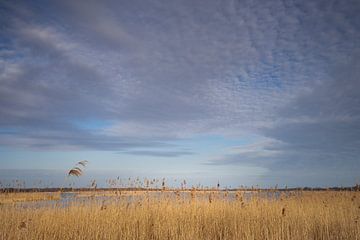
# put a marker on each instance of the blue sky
(244, 92)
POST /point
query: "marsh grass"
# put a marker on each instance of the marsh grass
(13, 197)
(305, 215)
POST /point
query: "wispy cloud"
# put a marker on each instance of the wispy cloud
(158, 153)
(316, 134)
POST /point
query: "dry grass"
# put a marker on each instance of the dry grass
(310, 215)
(14, 197)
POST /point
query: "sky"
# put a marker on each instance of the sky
(241, 92)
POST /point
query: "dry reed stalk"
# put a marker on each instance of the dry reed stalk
(304, 215)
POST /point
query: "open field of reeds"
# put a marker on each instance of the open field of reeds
(196, 215)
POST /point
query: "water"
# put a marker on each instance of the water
(71, 198)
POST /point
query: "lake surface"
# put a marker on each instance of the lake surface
(75, 198)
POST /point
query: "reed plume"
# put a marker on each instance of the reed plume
(77, 171)
(83, 163)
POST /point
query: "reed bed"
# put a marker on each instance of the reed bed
(13, 197)
(302, 215)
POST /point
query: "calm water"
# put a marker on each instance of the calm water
(71, 198)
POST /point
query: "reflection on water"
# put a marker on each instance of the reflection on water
(74, 198)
